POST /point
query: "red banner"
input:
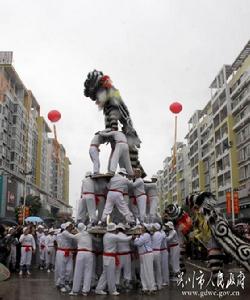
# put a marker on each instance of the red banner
(228, 203)
(236, 203)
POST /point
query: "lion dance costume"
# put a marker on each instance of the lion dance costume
(214, 232)
(99, 88)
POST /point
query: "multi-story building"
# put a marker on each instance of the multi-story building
(175, 178)
(240, 106)
(24, 147)
(218, 140)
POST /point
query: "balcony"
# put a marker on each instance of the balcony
(240, 122)
(241, 104)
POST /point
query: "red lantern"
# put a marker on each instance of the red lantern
(54, 116)
(175, 107)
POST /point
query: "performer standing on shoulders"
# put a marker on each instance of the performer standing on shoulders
(139, 192)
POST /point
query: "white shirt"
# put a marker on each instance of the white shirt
(157, 239)
(38, 236)
(49, 241)
(172, 237)
(118, 182)
(66, 241)
(97, 140)
(84, 240)
(88, 185)
(110, 241)
(144, 243)
(151, 189)
(138, 187)
(123, 246)
(27, 240)
(118, 136)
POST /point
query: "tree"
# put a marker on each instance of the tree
(34, 203)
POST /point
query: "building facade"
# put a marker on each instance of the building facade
(24, 147)
(218, 142)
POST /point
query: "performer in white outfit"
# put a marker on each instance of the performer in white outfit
(87, 201)
(58, 257)
(121, 152)
(164, 260)
(28, 246)
(64, 258)
(174, 249)
(41, 247)
(110, 260)
(84, 261)
(50, 250)
(139, 192)
(124, 252)
(153, 199)
(117, 185)
(157, 238)
(145, 250)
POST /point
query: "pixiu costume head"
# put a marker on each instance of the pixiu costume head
(213, 229)
(99, 88)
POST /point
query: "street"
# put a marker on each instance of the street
(40, 286)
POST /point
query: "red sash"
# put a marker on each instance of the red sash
(117, 261)
(27, 248)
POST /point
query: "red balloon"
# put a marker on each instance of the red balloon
(54, 115)
(175, 107)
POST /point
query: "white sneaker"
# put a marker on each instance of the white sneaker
(63, 290)
(165, 284)
(84, 294)
(28, 273)
(115, 293)
(48, 271)
(21, 273)
(73, 293)
(100, 292)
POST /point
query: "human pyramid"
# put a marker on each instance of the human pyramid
(121, 196)
(120, 241)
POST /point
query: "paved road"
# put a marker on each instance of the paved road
(40, 286)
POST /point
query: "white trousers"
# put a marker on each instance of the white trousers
(174, 258)
(164, 266)
(147, 272)
(142, 204)
(42, 254)
(94, 155)
(125, 267)
(116, 199)
(83, 272)
(153, 204)
(91, 206)
(50, 256)
(26, 257)
(157, 268)
(64, 268)
(87, 205)
(82, 210)
(121, 155)
(108, 275)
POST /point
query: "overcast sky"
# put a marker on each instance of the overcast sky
(155, 51)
